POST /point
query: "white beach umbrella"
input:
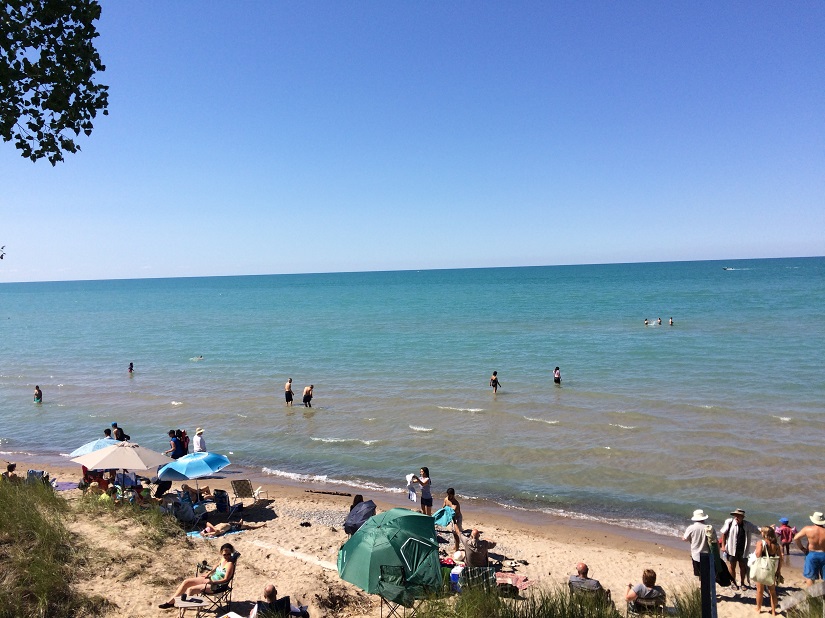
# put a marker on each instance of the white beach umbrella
(123, 455)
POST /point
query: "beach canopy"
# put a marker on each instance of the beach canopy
(122, 455)
(359, 514)
(193, 466)
(94, 445)
(401, 541)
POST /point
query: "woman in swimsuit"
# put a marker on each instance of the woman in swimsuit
(494, 381)
(221, 574)
(557, 375)
(211, 531)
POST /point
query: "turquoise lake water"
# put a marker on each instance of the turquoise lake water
(724, 409)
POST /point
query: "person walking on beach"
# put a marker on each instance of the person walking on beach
(426, 483)
(494, 381)
(786, 534)
(735, 537)
(770, 546)
(288, 394)
(815, 551)
(557, 375)
(308, 395)
(38, 394)
(200, 441)
(697, 535)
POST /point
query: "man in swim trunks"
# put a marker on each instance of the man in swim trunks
(815, 551)
(38, 395)
(288, 392)
(308, 396)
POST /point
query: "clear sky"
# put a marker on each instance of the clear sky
(278, 137)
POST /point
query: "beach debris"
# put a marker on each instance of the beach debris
(328, 493)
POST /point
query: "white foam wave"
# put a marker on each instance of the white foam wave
(242, 415)
(540, 420)
(59, 385)
(622, 426)
(631, 523)
(17, 453)
(372, 418)
(471, 410)
(784, 419)
(323, 478)
(607, 448)
(425, 429)
(177, 403)
(344, 440)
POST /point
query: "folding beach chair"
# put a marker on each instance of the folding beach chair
(396, 596)
(222, 505)
(654, 606)
(480, 578)
(213, 601)
(243, 489)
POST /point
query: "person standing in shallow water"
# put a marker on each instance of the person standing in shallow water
(38, 394)
(288, 394)
(494, 381)
(308, 396)
(557, 375)
(131, 368)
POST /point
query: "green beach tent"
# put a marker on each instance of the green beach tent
(395, 555)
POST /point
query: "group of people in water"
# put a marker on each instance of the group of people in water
(289, 395)
(495, 383)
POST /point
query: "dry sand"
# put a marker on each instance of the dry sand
(300, 560)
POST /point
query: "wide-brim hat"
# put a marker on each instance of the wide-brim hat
(699, 515)
(738, 512)
(818, 518)
(198, 431)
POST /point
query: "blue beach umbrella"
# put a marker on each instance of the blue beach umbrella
(94, 445)
(193, 466)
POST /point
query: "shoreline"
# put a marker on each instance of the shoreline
(297, 549)
(490, 510)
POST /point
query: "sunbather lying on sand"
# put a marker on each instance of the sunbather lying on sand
(211, 531)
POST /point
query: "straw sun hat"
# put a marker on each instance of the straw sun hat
(699, 515)
(818, 518)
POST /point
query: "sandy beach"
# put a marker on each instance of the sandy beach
(300, 559)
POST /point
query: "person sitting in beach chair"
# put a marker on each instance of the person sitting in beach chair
(217, 581)
(581, 583)
(647, 597)
(215, 530)
(273, 607)
(10, 474)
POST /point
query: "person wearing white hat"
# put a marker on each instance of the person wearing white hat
(200, 441)
(735, 537)
(815, 551)
(697, 535)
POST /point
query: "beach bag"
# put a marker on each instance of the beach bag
(763, 569)
(722, 574)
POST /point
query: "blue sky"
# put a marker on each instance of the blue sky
(279, 137)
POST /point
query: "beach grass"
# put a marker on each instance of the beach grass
(156, 526)
(37, 554)
(549, 603)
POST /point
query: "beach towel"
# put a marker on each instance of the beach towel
(64, 485)
(444, 516)
(196, 534)
(517, 581)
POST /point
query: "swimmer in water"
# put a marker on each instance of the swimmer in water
(646, 322)
(131, 367)
(671, 321)
(659, 321)
(557, 375)
(38, 395)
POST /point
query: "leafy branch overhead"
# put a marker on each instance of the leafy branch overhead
(47, 67)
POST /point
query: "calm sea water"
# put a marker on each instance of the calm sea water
(724, 409)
